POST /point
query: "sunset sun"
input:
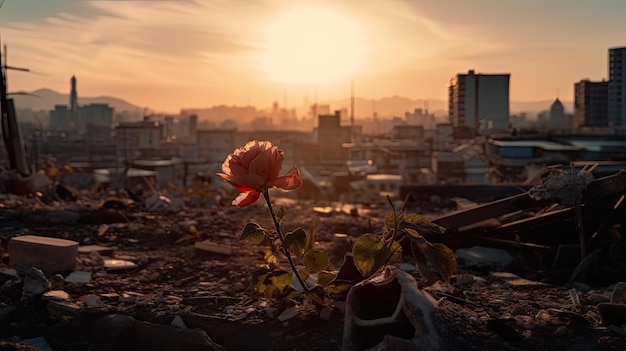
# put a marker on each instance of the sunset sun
(312, 46)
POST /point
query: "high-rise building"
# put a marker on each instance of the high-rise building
(616, 108)
(479, 100)
(73, 103)
(590, 104)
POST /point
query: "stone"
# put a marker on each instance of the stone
(102, 250)
(57, 295)
(51, 255)
(78, 277)
(479, 256)
(118, 332)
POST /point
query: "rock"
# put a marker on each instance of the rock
(51, 255)
(515, 281)
(479, 256)
(62, 217)
(117, 332)
(78, 277)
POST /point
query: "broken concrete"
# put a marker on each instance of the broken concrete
(51, 255)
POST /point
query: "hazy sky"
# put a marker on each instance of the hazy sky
(169, 55)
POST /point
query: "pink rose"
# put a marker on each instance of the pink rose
(254, 168)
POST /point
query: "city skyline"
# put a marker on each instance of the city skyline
(170, 55)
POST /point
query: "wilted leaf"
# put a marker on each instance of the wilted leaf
(275, 282)
(271, 258)
(315, 295)
(371, 252)
(272, 292)
(315, 260)
(324, 277)
(305, 273)
(337, 291)
(438, 257)
(421, 224)
(296, 242)
(253, 232)
(446, 259)
(279, 278)
(280, 214)
(258, 279)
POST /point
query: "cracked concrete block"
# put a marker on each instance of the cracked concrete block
(51, 255)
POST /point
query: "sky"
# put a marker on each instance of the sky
(170, 55)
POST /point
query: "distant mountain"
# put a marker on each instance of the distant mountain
(45, 99)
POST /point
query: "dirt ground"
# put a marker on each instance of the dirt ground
(173, 280)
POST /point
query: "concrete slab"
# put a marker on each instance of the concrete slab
(51, 255)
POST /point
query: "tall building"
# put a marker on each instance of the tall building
(101, 115)
(73, 102)
(616, 108)
(479, 101)
(590, 104)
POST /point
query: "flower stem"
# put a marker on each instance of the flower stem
(266, 196)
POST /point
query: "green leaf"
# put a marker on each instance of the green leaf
(421, 224)
(371, 252)
(412, 232)
(325, 277)
(316, 295)
(252, 232)
(280, 214)
(296, 242)
(315, 260)
(390, 219)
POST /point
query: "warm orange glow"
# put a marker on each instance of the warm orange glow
(312, 46)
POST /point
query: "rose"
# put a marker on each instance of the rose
(254, 168)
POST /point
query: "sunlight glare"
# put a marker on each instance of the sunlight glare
(312, 46)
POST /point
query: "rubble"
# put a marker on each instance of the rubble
(169, 286)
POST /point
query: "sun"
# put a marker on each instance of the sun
(312, 46)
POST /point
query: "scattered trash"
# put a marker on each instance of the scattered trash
(388, 312)
(118, 265)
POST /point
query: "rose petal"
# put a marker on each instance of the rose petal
(247, 182)
(246, 199)
(290, 181)
(265, 163)
(277, 163)
(232, 166)
(251, 151)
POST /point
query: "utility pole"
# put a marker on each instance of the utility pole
(11, 131)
